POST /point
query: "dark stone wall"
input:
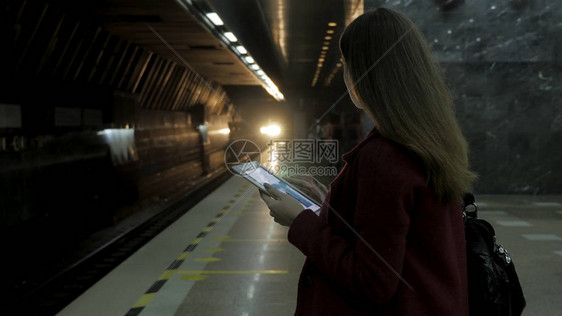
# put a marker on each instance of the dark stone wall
(502, 63)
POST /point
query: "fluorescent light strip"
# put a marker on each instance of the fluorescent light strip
(241, 49)
(230, 36)
(215, 18)
(270, 87)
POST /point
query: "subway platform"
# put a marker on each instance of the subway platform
(226, 256)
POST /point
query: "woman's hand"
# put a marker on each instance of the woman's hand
(282, 207)
(309, 186)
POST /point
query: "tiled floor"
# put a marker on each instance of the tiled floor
(530, 227)
(226, 256)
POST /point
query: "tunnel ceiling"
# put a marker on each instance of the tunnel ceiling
(284, 36)
(307, 24)
(133, 20)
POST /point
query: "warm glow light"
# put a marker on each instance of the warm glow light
(271, 88)
(321, 60)
(241, 49)
(327, 38)
(224, 131)
(274, 91)
(215, 18)
(271, 130)
(325, 47)
(230, 36)
(330, 31)
(250, 60)
(332, 24)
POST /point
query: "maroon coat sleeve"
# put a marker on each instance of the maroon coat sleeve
(369, 267)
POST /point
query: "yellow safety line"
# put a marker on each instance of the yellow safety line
(250, 240)
(144, 300)
(232, 271)
(196, 240)
(183, 255)
(167, 274)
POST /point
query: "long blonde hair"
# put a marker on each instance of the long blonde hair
(401, 87)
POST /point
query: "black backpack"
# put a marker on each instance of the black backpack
(493, 285)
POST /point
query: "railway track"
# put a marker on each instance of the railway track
(57, 292)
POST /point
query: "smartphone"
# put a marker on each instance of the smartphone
(257, 174)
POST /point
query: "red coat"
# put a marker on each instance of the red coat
(410, 257)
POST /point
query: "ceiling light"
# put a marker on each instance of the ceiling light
(330, 31)
(260, 72)
(241, 49)
(255, 67)
(332, 24)
(250, 60)
(321, 60)
(319, 65)
(327, 38)
(215, 18)
(325, 47)
(230, 36)
(326, 43)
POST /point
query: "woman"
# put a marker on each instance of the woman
(390, 237)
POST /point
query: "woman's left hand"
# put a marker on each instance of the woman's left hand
(282, 207)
